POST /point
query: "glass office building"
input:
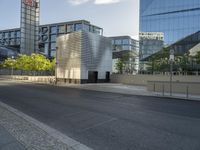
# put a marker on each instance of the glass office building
(150, 43)
(176, 19)
(47, 35)
(29, 26)
(123, 46)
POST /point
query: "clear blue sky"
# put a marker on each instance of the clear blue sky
(117, 17)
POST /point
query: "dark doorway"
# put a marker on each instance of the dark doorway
(92, 77)
(107, 76)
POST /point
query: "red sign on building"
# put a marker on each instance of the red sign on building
(28, 2)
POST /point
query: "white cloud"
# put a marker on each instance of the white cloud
(97, 2)
(78, 2)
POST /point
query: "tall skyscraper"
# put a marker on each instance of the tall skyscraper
(176, 19)
(29, 26)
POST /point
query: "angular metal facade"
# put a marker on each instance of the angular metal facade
(29, 26)
(80, 53)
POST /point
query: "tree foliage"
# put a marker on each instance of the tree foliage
(35, 62)
(197, 57)
(123, 63)
(160, 62)
(9, 63)
(119, 66)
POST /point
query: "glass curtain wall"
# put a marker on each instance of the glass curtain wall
(175, 18)
(29, 26)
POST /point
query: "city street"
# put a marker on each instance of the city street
(109, 121)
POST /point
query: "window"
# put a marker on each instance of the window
(45, 38)
(44, 30)
(70, 28)
(78, 27)
(53, 38)
(86, 27)
(53, 30)
(126, 47)
(12, 42)
(118, 42)
(53, 53)
(1, 35)
(18, 34)
(126, 41)
(46, 48)
(12, 34)
(61, 29)
(97, 30)
(53, 46)
(6, 35)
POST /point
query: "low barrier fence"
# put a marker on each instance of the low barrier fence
(24, 72)
(167, 88)
(34, 79)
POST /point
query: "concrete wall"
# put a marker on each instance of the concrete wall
(143, 79)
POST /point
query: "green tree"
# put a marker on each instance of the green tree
(123, 63)
(23, 62)
(9, 63)
(39, 63)
(197, 57)
(119, 66)
(35, 62)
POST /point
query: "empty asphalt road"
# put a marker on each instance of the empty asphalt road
(108, 121)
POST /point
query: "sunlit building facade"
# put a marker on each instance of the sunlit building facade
(83, 57)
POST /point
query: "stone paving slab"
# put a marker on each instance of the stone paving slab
(8, 142)
(129, 89)
(32, 134)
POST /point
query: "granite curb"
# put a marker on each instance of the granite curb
(33, 134)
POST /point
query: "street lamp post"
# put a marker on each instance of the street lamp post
(171, 60)
(56, 66)
(12, 65)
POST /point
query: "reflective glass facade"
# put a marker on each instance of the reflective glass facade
(175, 18)
(124, 46)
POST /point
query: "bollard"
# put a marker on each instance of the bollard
(154, 87)
(187, 92)
(163, 89)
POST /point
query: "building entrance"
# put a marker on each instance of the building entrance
(92, 77)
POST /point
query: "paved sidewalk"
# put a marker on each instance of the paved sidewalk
(114, 88)
(8, 142)
(21, 132)
(129, 89)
